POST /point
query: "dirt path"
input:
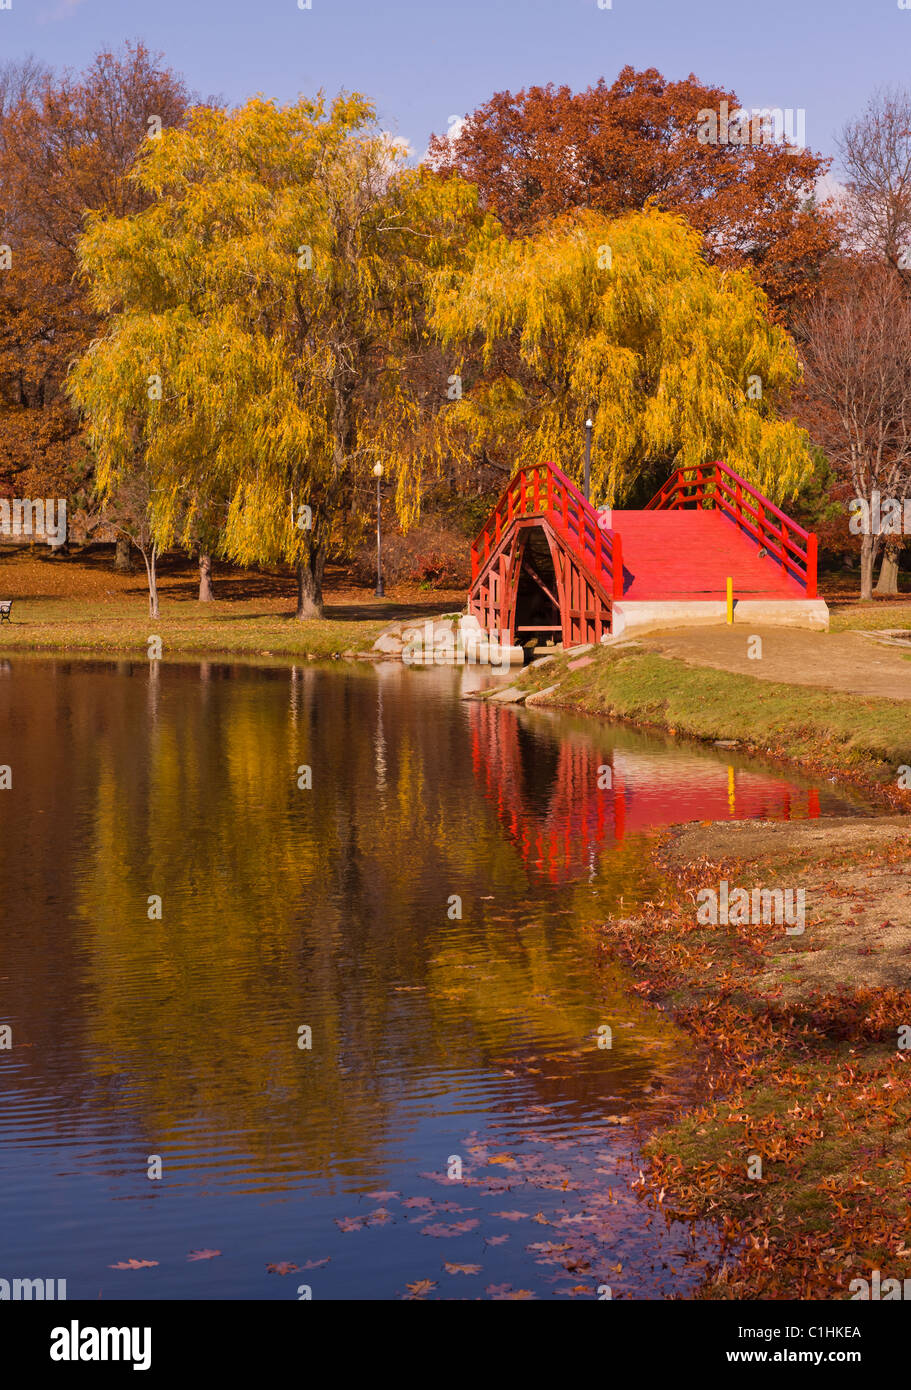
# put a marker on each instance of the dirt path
(844, 661)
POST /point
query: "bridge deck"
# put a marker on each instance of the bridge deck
(671, 555)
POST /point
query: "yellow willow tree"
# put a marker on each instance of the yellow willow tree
(264, 315)
(622, 320)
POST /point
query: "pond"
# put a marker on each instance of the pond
(349, 1035)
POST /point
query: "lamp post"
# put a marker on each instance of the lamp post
(588, 460)
(380, 590)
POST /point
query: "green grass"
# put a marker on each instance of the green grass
(121, 626)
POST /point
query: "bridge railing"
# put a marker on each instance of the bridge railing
(544, 491)
(717, 485)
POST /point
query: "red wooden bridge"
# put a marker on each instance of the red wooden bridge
(548, 564)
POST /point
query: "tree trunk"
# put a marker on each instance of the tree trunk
(868, 552)
(206, 594)
(310, 586)
(150, 558)
(123, 561)
(888, 570)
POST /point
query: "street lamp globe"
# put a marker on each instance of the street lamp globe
(377, 470)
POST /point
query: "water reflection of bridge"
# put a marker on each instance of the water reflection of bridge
(558, 798)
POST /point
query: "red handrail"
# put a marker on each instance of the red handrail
(717, 485)
(544, 491)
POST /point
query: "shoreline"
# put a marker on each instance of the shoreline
(804, 1071)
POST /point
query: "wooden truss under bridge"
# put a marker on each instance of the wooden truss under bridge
(549, 564)
(542, 564)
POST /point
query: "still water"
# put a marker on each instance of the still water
(427, 909)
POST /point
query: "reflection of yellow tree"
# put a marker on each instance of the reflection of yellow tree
(325, 907)
(536, 982)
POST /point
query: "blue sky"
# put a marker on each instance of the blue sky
(423, 61)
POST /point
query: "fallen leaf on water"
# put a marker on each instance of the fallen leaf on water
(511, 1215)
(134, 1264)
(455, 1230)
(203, 1254)
(383, 1196)
(519, 1294)
(285, 1267)
(350, 1223)
(422, 1286)
(461, 1269)
(316, 1264)
(417, 1202)
(501, 1158)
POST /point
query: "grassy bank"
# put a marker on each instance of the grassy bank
(863, 740)
(118, 627)
(81, 604)
(800, 1154)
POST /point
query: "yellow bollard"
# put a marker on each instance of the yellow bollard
(730, 600)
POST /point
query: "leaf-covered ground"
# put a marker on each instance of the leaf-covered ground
(812, 1080)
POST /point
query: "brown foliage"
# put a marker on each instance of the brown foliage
(615, 148)
(66, 147)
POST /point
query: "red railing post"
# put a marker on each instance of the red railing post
(617, 564)
(812, 547)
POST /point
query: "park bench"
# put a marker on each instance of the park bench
(6, 610)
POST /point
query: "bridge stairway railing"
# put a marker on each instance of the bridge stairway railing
(716, 485)
(545, 492)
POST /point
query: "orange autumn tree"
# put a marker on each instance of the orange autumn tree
(67, 145)
(615, 148)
